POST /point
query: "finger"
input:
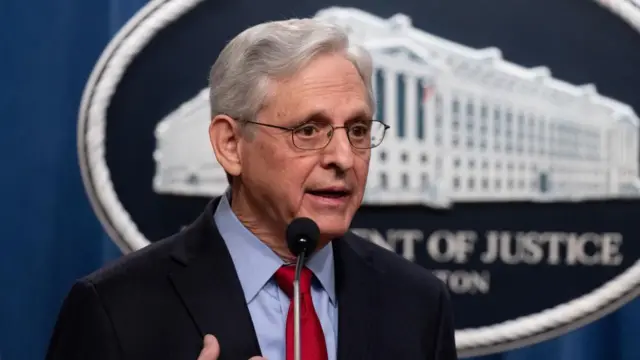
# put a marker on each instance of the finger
(258, 358)
(211, 348)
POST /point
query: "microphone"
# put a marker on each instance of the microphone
(302, 239)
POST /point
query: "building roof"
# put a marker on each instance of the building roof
(486, 63)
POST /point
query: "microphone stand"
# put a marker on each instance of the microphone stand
(296, 304)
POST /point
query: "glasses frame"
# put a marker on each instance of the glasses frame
(333, 130)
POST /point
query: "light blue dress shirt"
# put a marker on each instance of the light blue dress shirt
(268, 305)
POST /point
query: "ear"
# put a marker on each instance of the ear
(225, 141)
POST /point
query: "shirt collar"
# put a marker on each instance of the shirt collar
(321, 264)
(256, 263)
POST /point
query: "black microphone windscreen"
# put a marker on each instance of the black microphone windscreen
(302, 236)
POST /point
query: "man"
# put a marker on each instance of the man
(291, 124)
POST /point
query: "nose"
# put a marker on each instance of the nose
(338, 153)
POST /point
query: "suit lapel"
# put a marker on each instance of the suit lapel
(211, 291)
(356, 297)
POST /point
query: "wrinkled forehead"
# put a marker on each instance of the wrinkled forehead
(331, 89)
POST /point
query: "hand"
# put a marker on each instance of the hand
(211, 350)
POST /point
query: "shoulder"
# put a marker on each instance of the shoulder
(401, 271)
(140, 266)
(156, 260)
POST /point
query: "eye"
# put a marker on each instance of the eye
(307, 130)
(359, 130)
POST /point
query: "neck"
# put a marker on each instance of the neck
(259, 223)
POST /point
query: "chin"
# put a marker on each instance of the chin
(332, 217)
(332, 226)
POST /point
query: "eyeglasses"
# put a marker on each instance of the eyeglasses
(364, 134)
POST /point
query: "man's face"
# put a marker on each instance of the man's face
(326, 185)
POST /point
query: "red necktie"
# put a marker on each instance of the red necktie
(312, 343)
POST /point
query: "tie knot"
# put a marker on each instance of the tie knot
(284, 277)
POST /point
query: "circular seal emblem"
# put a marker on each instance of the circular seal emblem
(511, 169)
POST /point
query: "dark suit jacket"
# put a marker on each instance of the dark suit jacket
(159, 302)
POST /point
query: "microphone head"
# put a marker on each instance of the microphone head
(302, 236)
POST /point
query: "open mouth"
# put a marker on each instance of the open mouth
(328, 193)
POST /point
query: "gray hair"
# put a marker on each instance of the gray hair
(239, 79)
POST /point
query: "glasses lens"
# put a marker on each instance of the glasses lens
(363, 135)
(366, 135)
(377, 133)
(312, 136)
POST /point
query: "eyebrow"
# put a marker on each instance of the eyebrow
(322, 116)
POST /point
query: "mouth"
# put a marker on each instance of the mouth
(330, 193)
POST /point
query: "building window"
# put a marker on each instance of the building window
(423, 158)
(405, 180)
(404, 157)
(383, 156)
(424, 179)
(485, 183)
(383, 180)
(508, 130)
(400, 101)
(470, 124)
(421, 107)
(456, 183)
(532, 134)
(380, 94)
(455, 105)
